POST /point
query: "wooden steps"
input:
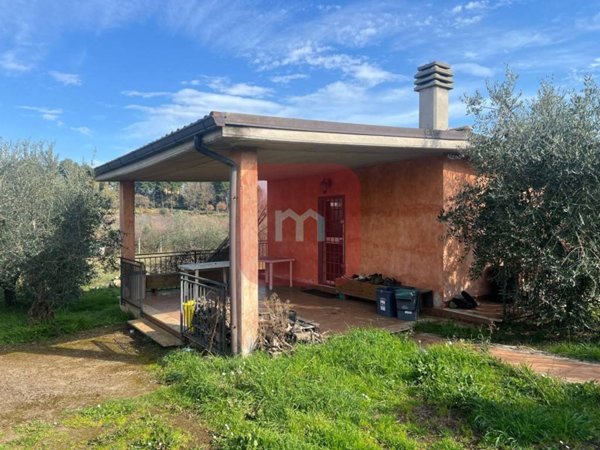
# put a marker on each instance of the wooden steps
(463, 315)
(158, 334)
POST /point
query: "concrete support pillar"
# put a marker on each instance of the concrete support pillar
(247, 248)
(127, 218)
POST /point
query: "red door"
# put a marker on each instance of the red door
(331, 248)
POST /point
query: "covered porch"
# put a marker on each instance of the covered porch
(331, 314)
(302, 159)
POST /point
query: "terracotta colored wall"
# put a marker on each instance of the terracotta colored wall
(299, 195)
(392, 224)
(456, 266)
(401, 234)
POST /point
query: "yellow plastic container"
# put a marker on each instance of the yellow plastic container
(188, 313)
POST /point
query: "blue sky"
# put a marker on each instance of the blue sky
(106, 76)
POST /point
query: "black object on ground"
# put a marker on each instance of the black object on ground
(320, 293)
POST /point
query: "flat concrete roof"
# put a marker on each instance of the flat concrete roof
(282, 144)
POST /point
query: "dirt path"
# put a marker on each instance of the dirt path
(40, 381)
(568, 369)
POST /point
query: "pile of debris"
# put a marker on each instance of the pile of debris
(210, 325)
(279, 328)
(376, 278)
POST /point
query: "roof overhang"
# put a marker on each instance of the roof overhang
(285, 148)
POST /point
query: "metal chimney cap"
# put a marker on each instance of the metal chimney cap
(434, 74)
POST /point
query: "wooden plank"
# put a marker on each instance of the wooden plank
(157, 334)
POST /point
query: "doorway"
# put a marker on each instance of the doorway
(331, 247)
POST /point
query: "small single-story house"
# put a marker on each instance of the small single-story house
(342, 198)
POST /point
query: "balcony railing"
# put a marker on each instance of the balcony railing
(205, 313)
(133, 283)
(169, 262)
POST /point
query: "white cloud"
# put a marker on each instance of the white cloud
(28, 29)
(595, 63)
(285, 79)
(145, 94)
(188, 105)
(83, 130)
(469, 6)
(346, 101)
(473, 69)
(225, 86)
(67, 79)
(475, 5)
(319, 57)
(10, 63)
(48, 114)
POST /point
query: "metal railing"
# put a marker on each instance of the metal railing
(205, 317)
(169, 262)
(263, 251)
(133, 283)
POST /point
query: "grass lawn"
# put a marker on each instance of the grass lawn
(588, 350)
(367, 389)
(97, 308)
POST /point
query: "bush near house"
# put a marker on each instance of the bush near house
(532, 218)
(54, 227)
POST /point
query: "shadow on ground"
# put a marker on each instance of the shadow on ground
(40, 381)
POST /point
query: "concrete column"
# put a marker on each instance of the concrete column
(247, 248)
(127, 218)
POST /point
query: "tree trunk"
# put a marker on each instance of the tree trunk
(41, 311)
(10, 296)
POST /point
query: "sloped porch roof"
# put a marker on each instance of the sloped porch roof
(281, 143)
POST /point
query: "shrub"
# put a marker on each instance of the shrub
(532, 215)
(55, 223)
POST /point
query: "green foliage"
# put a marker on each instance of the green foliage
(198, 195)
(96, 308)
(510, 407)
(369, 389)
(179, 230)
(142, 423)
(516, 334)
(189, 195)
(532, 217)
(54, 223)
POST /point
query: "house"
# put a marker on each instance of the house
(342, 198)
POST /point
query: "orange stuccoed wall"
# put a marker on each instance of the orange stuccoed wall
(391, 224)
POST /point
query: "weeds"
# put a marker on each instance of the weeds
(586, 349)
(96, 308)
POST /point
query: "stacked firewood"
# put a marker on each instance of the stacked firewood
(280, 329)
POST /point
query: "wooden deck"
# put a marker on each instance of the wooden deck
(332, 315)
(486, 313)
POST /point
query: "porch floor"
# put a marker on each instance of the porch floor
(486, 313)
(332, 315)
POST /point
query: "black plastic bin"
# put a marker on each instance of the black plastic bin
(386, 302)
(407, 299)
(408, 315)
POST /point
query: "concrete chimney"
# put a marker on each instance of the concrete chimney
(432, 82)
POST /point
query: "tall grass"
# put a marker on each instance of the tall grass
(166, 230)
(586, 348)
(96, 308)
(369, 389)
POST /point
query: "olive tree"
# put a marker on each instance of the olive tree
(54, 225)
(532, 218)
